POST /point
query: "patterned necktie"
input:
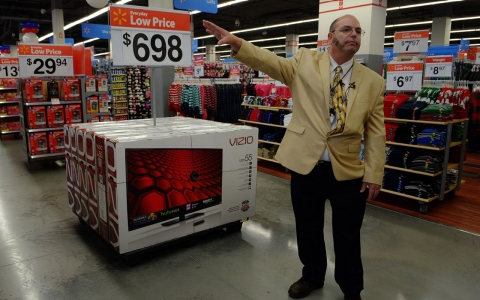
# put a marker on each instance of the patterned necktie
(338, 100)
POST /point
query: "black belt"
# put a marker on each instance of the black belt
(322, 162)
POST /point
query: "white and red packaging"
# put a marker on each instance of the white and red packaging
(73, 113)
(33, 90)
(55, 116)
(56, 141)
(71, 89)
(92, 105)
(36, 117)
(38, 143)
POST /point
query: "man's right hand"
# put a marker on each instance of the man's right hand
(223, 36)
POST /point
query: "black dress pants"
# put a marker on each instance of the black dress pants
(309, 193)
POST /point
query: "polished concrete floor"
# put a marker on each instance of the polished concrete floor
(46, 254)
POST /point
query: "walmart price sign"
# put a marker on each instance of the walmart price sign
(9, 68)
(404, 76)
(438, 66)
(411, 41)
(45, 60)
(323, 46)
(150, 37)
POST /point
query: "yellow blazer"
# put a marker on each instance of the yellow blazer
(307, 74)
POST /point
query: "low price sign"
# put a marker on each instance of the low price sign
(9, 68)
(439, 66)
(48, 60)
(150, 37)
(323, 46)
(404, 76)
(411, 41)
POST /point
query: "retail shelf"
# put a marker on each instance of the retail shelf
(49, 155)
(51, 103)
(119, 101)
(118, 81)
(267, 107)
(416, 146)
(29, 130)
(395, 120)
(95, 93)
(268, 159)
(413, 171)
(120, 114)
(9, 116)
(268, 142)
(260, 123)
(10, 132)
(7, 88)
(99, 114)
(120, 88)
(452, 166)
(426, 200)
(9, 102)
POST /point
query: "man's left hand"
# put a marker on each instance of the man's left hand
(373, 190)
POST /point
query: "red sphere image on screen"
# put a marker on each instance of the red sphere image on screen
(167, 183)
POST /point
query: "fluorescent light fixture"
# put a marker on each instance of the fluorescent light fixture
(194, 12)
(87, 41)
(79, 21)
(421, 4)
(409, 24)
(310, 34)
(466, 18)
(103, 53)
(304, 44)
(269, 39)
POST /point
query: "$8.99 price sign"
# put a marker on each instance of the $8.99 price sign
(150, 37)
(50, 60)
(9, 68)
(404, 76)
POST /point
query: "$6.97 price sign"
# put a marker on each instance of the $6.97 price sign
(49, 60)
(150, 37)
(404, 76)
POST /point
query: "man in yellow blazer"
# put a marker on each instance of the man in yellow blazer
(322, 154)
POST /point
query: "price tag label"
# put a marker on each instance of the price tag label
(9, 68)
(198, 66)
(39, 60)
(404, 76)
(150, 37)
(439, 66)
(234, 73)
(323, 46)
(411, 41)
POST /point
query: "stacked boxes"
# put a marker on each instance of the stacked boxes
(138, 185)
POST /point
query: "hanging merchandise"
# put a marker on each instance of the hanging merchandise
(138, 92)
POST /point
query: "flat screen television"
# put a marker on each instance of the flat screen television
(165, 185)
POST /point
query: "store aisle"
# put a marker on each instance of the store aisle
(46, 254)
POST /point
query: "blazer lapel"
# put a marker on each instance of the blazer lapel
(352, 92)
(325, 75)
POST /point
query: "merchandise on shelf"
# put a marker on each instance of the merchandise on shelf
(33, 90)
(138, 93)
(71, 89)
(56, 141)
(55, 116)
(90, 84)
(73, 113)
(36, 117)
(38, 142)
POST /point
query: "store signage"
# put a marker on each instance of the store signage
(67, 40)
(411, 41)
(234, 73)
(477, 56)
(188, 72)
(439, 66)
(198, 66)
(45, 60)
(208, 6)
(404, 76)
(9, 68)
(150, 37)
(323, 46)
(92, 31)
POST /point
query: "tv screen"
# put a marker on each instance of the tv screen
(167, 184)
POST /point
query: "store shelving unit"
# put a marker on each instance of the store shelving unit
(444, 190)
(118, 90)
(85, 115)
(4, 119)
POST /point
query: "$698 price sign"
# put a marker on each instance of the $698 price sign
(155, 48)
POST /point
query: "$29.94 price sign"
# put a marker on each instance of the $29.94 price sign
(438, 66)
(9, 68)
(45, 60)
(404, 76)
(150, 37)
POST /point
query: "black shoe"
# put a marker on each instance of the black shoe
(302, 289)
(353, 297)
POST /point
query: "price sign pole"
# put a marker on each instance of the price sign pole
(45, 60)
(404, 76)
(323, 46)
(150, 37)
(9, 68)
(411, 41)
(439, 66)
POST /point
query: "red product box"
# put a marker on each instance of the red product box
(9, 83)
(37, 117)
(33, 89)
(92, 105)
(73, 113)
(13, 110)
(3, 110)
(71, 89)
(103, 103)
(55, 116)
(38, 143)
(14, 126)
(4, 127)
(56, 141)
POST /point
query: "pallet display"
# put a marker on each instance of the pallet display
(9, 110)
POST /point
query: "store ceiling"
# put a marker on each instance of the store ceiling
(252, 13)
